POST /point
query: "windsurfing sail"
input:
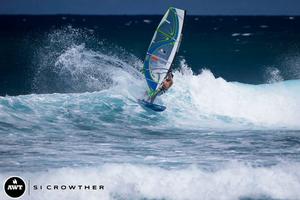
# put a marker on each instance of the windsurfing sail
(163, 47)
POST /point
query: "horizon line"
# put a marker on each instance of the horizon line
(199, 15)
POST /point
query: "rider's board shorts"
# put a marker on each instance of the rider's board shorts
(161, 91)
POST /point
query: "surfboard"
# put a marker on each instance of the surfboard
(162, 49)
(152, 106)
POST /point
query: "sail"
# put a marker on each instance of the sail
(163, 47)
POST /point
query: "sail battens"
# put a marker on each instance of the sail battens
(158, 58)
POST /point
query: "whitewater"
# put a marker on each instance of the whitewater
(216, 140)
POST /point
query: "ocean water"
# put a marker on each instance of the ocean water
(68, 110)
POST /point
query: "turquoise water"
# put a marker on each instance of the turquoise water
(71, 114)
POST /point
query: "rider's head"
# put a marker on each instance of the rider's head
(170, 76)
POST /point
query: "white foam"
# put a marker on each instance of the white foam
(241, 34)
(235, 34)
(199, 97)
(246, 34)
(273, 75)
(75, 68)
(126, 181)
(147, 21)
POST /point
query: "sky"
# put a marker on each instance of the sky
(148, 7)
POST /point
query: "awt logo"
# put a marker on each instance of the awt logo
(14, 187)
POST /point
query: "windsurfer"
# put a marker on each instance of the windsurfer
(165, 85)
